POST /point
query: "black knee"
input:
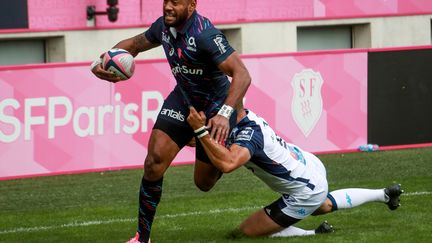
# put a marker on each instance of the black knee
(205, 185)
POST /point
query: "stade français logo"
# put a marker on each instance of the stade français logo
(307, 104)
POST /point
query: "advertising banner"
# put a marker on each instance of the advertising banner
(60, 118)
(317, 101)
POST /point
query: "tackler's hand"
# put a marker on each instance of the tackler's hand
(196, 120)
(219, 128)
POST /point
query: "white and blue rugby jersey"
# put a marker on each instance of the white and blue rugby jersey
(284, 167)
(194, 54)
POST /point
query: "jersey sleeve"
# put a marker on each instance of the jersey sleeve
(215, 45)
(250, 138)
(154, 33)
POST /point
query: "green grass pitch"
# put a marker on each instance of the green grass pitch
(102, 207)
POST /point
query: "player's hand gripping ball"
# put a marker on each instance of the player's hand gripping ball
(120, 62)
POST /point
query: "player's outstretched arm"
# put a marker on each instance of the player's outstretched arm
(225, 159)
(233, 67)
(133, 45)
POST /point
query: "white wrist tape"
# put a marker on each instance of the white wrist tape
(199, 130)
(203, 134)
(226, 111)
(95, 63)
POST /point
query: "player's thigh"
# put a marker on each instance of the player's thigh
(200, 154)
(282, 213)
(203, 169)
(170, 134)
(205, 175)
(172, 120)
(259, 224)
(161, 151)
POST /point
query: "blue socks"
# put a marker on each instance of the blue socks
(149, 197)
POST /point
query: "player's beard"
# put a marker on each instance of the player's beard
(180, 18)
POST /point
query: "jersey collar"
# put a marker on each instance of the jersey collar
(186, 26)
(188, 23)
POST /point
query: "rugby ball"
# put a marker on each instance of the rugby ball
(120, 62)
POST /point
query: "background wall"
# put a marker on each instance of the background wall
(248, 24)
(252, 38)
(58, 14)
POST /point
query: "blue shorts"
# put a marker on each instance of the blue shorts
(172, 119)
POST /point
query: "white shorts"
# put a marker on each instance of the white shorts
(304, 201)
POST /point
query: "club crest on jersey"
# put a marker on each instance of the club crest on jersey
(307, 104)
(245, 134)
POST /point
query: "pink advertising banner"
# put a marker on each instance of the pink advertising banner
(317, 101)
(61, 119)
(64, 14)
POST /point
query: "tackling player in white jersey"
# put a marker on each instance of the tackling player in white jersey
(299, 176)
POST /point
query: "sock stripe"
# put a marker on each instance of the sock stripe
(334, 204)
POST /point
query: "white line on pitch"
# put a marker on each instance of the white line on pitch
(416, 193)
(110, 221)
